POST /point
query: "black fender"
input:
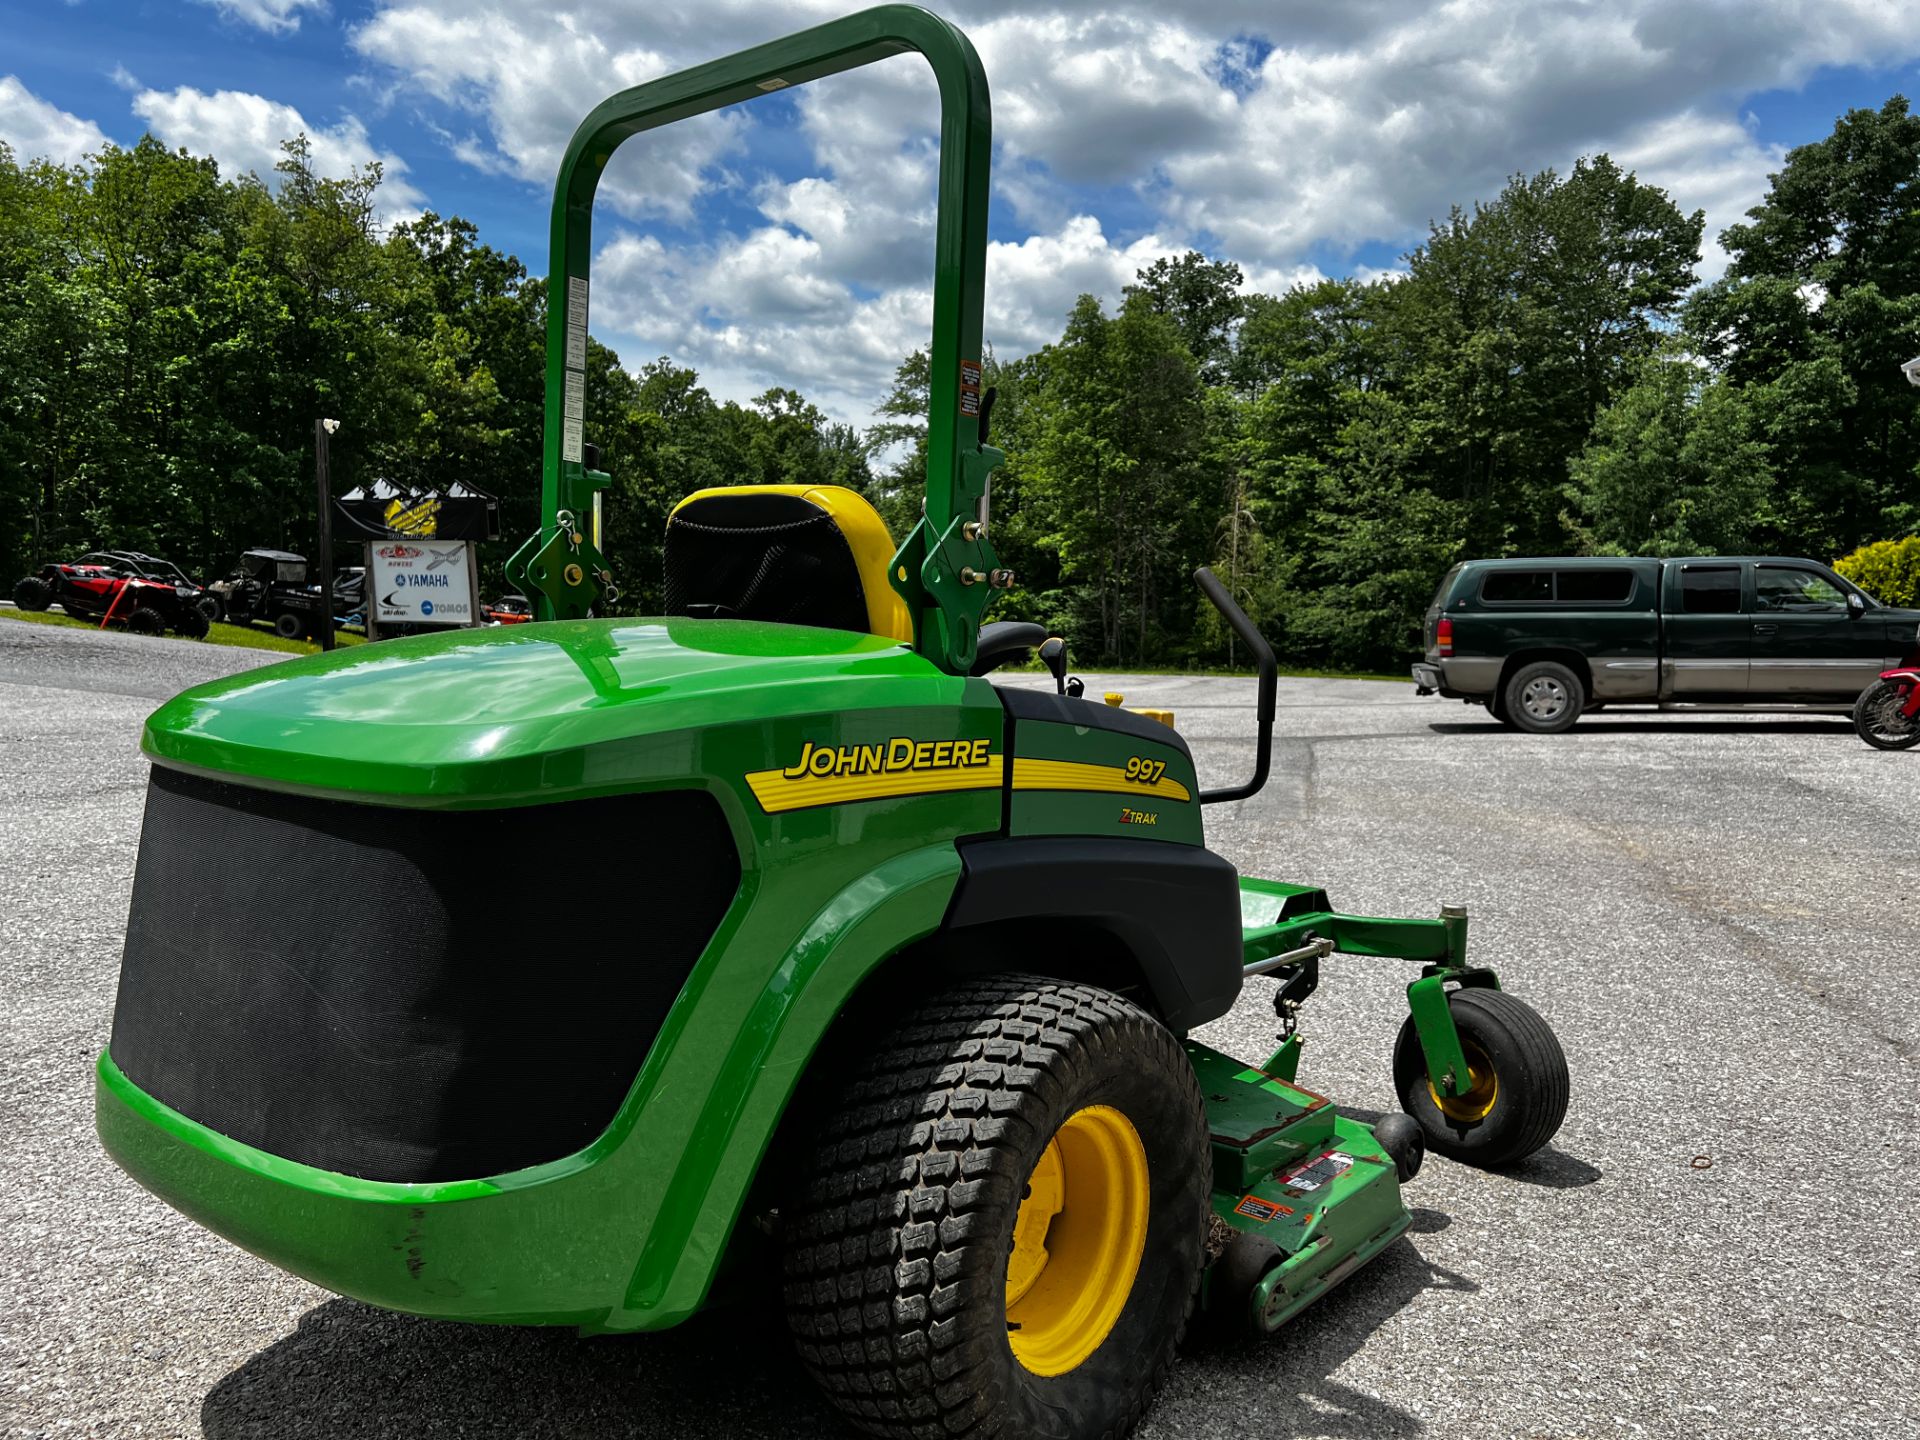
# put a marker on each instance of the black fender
(1166, 916)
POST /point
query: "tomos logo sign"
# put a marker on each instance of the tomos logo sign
(400, 552)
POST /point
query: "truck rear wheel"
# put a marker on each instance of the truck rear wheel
(1544, 697)
(1001, 1234)
(1518, 1087)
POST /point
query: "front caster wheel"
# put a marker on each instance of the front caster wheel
(1002, 1227)
(1518, 1084)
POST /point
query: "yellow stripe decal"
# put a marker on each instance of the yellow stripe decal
(776, 792)
(1074, 775)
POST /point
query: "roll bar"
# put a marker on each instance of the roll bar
(946, 569)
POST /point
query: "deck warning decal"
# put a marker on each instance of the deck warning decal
(1315, 1173)
(1255, 1208)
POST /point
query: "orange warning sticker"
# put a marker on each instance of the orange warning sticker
(1255, 1208)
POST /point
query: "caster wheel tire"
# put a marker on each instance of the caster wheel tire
(32, 593)
(1002, 1228)
(289, 626)
(1878, 721)
(1543, 698)
(145, 620)
(1519, 1085)
(1241, 1266)
(1405, 1143)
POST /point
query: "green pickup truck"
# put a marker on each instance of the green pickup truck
(1540, 641)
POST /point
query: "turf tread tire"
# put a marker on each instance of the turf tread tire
(1535, 1088)
(906, 1214)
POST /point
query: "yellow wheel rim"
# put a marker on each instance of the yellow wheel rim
(1077, 1241)
(1483, 1088)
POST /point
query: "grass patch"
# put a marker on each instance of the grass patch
(245, 637)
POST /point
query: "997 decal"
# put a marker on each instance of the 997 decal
(1145, 769)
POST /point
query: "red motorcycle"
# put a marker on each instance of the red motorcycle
(1887, 715)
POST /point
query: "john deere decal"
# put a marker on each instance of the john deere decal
(830, 775)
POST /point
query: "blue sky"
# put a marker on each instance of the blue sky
(788, 244)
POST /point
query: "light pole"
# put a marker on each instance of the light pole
(322, 430)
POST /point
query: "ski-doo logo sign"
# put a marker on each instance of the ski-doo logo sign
(899, 766)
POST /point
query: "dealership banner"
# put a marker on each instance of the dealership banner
(386, 511)
(429, 583)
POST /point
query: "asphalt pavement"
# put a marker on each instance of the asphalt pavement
(1716, 914)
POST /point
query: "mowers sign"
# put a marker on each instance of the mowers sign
(422, 584)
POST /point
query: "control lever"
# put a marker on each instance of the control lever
(1269, 686)
(1053, 655)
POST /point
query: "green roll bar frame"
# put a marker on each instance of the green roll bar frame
(946, 569)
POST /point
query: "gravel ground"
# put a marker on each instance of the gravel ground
(1715, 913)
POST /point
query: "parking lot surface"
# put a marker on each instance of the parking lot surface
(1716, 913)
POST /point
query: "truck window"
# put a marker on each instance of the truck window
(1592, 587)
(1516, 587)
(1710, 590)
(1788, 587)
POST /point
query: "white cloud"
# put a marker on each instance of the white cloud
(276, 17)
(244, 132)
(38, 130)
(1268, 131)
(531, 81)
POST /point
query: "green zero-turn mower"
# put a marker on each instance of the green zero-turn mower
(593, 971)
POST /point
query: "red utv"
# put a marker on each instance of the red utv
(146, 594)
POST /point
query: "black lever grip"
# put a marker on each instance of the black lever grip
(1269, 686)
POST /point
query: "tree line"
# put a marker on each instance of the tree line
(1546, 376)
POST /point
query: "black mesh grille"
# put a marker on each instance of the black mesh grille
(409, 995)
(762, 557)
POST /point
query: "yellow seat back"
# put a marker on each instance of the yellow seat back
(750, 549)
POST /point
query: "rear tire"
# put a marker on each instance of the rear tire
(1543, 698)
(192, 623)
(1878, 721)
(905, 1290)
(209, 605)
(1521, 1084)
(32, 593)
(145, 620)
(289, 626)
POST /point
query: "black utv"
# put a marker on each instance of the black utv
(271, 585)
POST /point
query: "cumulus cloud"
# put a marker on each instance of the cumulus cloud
(38, 130)
(276, 17)
(529, 80)
(244, 132)
(1269, 131)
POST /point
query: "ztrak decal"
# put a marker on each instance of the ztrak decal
(885, 769)
(1130, 816)
(1076, 775)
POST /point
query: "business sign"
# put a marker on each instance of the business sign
(386, 511)
(421, 583)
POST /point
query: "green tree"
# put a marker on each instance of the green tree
(1676, 466)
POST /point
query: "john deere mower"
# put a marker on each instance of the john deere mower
(834, 960)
